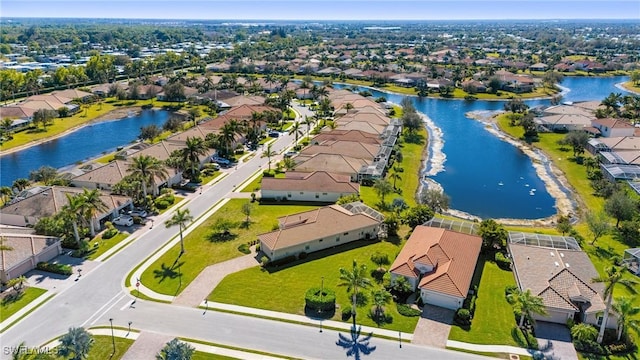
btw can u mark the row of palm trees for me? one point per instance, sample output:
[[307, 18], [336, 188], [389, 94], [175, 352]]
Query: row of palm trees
[[82, 209]]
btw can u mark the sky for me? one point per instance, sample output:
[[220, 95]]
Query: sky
[[324, 10]]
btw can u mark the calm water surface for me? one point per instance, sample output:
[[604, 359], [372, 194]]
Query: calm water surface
[[87, 142]]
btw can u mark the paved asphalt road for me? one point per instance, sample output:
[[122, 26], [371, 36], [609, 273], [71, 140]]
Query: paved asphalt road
[[99, 295]]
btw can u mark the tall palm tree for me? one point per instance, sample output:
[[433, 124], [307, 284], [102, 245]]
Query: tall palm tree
[[627, 312], [395, 175], [93, 205], [147, 169], [354, 280], [612, 277], [269, 153], [309, 122], [383, 188], [20, 184], [194, 148], [73, 210], [181, 218], [295, 130], [380, 298], [228, 133], [527, 304], [612, 103]]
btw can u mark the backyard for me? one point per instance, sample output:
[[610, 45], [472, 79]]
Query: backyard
[[263, 289], [170, 274]]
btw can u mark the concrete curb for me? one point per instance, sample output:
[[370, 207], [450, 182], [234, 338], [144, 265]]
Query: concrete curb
[[44, 297], [489, 348]]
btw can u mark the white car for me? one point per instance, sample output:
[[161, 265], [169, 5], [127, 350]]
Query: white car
[[138, 212], [123, 220]]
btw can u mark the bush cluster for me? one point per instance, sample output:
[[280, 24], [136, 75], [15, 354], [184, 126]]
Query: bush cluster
[[406, 310], [502, 261], [346, 313], [244, 248], [463, 317], [164, 201], [61, 269], [109, 233], [317, 299]]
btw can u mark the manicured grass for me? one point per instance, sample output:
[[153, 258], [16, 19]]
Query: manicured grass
[[254, 186], [629, 85], [106, 159], [170, 274], [103, 347], [104, 245], [176, 201], [493, 318], [9, 308], [256, 287]]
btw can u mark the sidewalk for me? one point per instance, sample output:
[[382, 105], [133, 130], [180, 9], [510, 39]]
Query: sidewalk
[[346, 326], [489, 348]]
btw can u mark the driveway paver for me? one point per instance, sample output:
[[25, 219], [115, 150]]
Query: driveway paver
[[554, 341], [433, 327], [146, 346]]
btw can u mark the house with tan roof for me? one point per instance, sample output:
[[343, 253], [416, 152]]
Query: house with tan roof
[[362, 126], [317, 186], [562, 277], [320, 229], [347, 148], [440, 263], [613, 127], [27, 250], [50, 200], [346, 135], [332, 163]]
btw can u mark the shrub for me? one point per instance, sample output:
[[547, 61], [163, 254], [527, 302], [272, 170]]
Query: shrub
[[137, 220], [346, 313], [61, 269], [258, 248], [264, 260], [244, 248], [268, 174], [379, 258], [510, 289], [406, 310], [161, 203], [463, 317], [502, 261], [109, 233], [284, 260], [302, 255], [317, 299]]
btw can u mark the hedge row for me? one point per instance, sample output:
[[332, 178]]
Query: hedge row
[[320, 299], [61, 269]]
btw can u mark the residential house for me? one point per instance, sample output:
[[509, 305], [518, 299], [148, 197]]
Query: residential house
[[320, 229], [613, 127], [346, 135], [440, 263], [50, 200], [317, 186], [561, 274], [332, 163], [27, 250], [352, 149]]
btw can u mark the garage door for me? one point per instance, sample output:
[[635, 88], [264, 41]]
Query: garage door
[[444, 301], [554, 317]]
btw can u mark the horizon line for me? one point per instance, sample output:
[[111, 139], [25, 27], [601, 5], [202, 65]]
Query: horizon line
[[3, 18]]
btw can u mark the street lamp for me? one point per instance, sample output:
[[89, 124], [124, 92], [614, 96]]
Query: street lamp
[[321, 293], [113, 339], [151, 224]]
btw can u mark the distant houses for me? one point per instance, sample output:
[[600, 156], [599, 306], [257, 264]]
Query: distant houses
[[27, 250]]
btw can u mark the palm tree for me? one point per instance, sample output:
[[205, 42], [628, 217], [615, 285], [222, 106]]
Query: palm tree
[[73, 210], [92, 206], [626, 311], [6, 193], [380, 297], [309, 122], [295, 129], [584, 332], [395, 175], [176, 350], [20, 184], [75, 343], [383, 188], [527, 304], [289, 163], [228, 133], [354, 280], [612, 103], [612, 277], [194, 148], [194, 113], [147, 168], [181, 217], [269, 153]]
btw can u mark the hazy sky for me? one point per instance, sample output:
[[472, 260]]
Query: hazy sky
[[325, 10]]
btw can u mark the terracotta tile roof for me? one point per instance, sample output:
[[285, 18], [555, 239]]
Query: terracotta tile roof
[[318, 181], [16, 111], [613, 123], [370, 117], [244, 100], [362, 126], [72, 93], [346, 148], [347, 135], [561, 270], [453, 256], [323, 222], [337, 164]]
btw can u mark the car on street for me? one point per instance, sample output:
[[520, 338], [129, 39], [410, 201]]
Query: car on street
[[138, 212], [123, 220], [274, 134]]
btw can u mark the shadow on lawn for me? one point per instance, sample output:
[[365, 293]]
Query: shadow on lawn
[[168, 271]]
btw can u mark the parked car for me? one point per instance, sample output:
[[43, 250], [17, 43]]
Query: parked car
[[274, 134], [220, 161], [138, 212], [123, 220], [290, 154]]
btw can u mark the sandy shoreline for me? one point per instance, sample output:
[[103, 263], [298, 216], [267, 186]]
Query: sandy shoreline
[[111, 115]]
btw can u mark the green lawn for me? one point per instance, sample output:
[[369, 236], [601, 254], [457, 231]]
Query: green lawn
[[8, 308], [170, 275], [102, 348], [199, 355], [104, 245], [493, 319], [629, 85], [255, 184], [263, 289], [176, 201]]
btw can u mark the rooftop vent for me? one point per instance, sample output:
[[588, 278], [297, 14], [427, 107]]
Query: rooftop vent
[[551, 253], [561, 254], [557, 264]]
